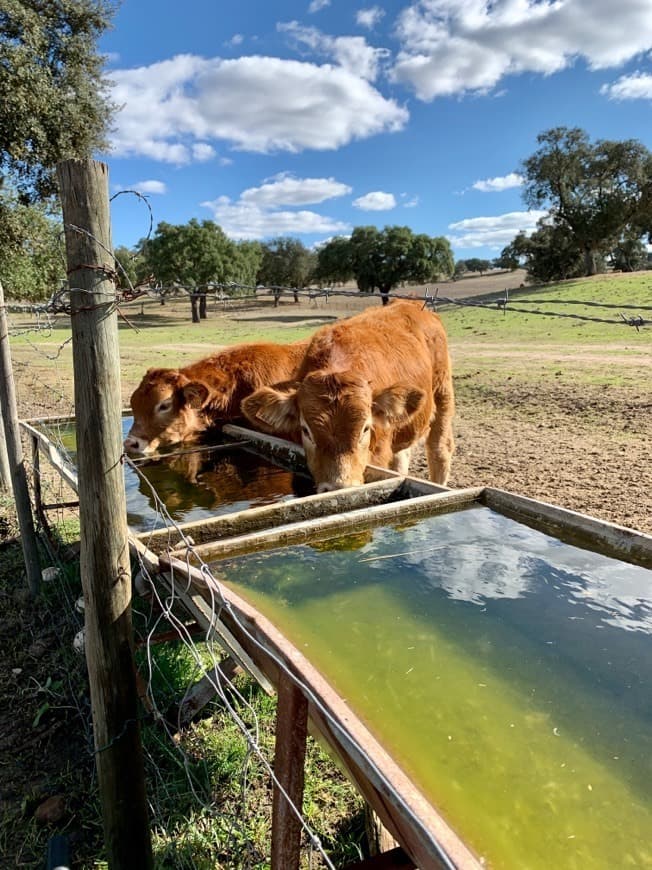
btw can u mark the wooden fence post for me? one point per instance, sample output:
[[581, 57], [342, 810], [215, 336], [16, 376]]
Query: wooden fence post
[[289, 757], [104, 555], [14, 452], [5, 471]]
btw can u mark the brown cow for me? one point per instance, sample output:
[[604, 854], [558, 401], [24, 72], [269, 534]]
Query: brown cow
[[368, 388], [172, 406]]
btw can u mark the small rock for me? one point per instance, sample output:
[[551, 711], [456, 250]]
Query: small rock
[[49, 574], [38, 649], [80, 604], [79, 642], [51, 810]]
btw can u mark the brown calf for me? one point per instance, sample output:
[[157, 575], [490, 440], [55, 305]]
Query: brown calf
[[368, 388], [172, 406]]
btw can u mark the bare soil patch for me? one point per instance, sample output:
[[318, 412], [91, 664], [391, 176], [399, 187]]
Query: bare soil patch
[[586, 449]]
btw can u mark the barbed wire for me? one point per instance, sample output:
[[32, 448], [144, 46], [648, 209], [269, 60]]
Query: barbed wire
[[217, 605]]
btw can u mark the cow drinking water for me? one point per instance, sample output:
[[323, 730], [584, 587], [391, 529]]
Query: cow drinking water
[[368, 388], [172, 406]]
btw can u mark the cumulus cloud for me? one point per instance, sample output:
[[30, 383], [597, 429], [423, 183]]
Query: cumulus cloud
[[634, 87], [493, 232], [316, 5], [248, 220], [259, 104], [500, 182], [450, 47], [377, 200], [150, 186], [286, 189], [370, 17], [352, 53], [257, 214], [202, 151]]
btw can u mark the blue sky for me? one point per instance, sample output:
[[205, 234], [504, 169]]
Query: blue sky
[[310, 117]]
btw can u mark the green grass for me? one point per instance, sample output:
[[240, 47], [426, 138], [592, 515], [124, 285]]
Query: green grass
[[516, 328]]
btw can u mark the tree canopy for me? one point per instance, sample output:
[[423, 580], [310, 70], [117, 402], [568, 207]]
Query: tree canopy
[[54, 97], [286, 262], [32, 261], [596, 192], [384, 259], [196, 254]]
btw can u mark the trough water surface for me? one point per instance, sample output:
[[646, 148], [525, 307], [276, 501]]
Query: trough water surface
[[194, 485], [508, 673]]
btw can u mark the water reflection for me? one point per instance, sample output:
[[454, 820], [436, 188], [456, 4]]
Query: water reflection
[[198, 485], [508, 672], [194, 485], [481, 555]]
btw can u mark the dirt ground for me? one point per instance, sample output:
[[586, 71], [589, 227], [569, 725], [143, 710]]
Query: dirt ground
[[584, 448]]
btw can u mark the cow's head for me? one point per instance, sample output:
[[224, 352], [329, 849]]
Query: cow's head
[[341, 422], [169, 408]]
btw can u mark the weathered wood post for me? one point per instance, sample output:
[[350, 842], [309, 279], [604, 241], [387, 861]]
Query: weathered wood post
[[289, 757], [5, 472], [104, 555], [14, 453]]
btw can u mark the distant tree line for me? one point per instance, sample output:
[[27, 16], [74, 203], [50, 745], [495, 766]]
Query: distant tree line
[[196, 255]]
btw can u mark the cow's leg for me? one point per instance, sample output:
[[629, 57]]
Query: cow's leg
[[401, 460], [440, 443]]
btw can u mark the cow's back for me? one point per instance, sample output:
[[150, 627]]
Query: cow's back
[[398, 342], [247, 367]]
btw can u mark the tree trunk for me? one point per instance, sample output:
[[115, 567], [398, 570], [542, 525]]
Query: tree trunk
[[202, 305], [193, 306], [589, 261]]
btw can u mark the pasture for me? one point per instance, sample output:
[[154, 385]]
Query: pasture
[[550, 407]]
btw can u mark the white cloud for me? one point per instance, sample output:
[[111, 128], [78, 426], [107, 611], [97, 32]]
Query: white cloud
[[352, 53], [493, 232], [202, 151], [500, 182], [375, 201], [248, 220], [151, 186], [411, 203], [467, 46], [286, 189], [259, 104], [635, 87], [236, 39], [316, 5], [370, 17]]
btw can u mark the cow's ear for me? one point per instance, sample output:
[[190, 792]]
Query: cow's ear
[[273, 410], [195, 393], [397, 404]]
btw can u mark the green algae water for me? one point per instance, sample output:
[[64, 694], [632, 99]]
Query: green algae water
[[194, 486], [508, 673]]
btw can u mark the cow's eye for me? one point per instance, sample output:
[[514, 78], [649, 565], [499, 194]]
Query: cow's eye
[[366, 430], [305, 431], [163, 407]]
